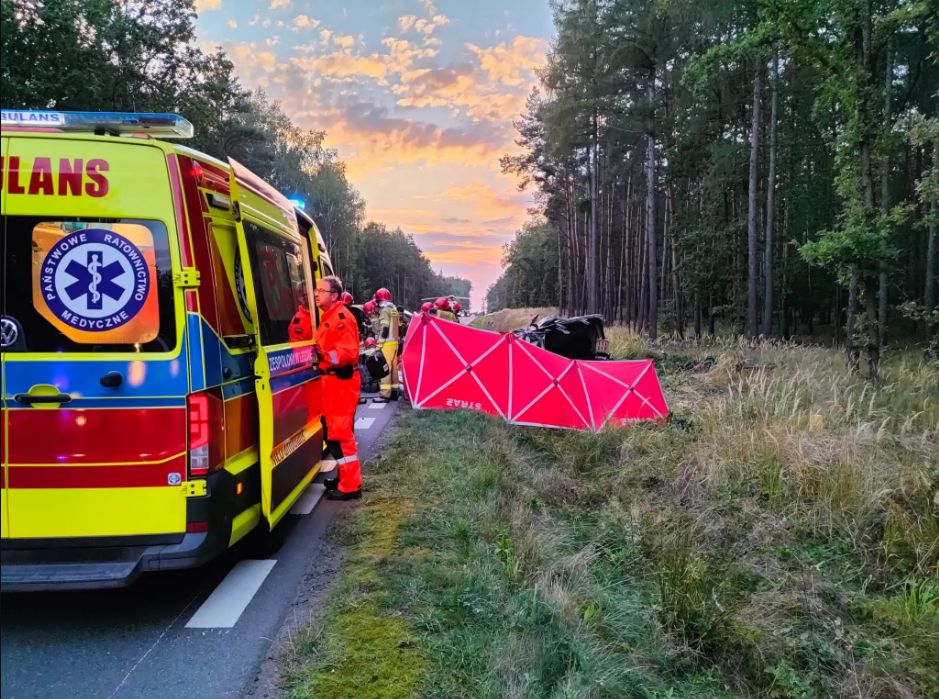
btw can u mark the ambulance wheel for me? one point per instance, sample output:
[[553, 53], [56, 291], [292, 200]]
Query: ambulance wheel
[[263, 543]]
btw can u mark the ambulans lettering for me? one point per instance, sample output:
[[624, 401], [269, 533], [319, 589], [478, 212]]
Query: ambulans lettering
[[61, 177], [95, 280], [11, 117]]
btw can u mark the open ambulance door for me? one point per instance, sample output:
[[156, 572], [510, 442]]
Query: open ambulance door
[[278, 290]]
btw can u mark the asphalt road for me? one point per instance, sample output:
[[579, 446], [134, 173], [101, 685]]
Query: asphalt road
[[135, 642]]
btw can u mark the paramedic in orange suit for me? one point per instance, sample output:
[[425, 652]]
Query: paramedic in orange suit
[[337, 343], [301, 325]]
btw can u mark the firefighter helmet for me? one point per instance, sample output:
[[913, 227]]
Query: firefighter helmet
[[382, 295], [442, 304], [456, 307], [426, 306], [370, 342], [369, 307], [346, 298]]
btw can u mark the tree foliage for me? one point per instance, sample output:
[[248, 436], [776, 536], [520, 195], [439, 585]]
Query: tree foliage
[[686, 87]]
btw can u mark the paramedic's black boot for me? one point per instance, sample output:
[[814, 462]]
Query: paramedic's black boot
[[339, 495], [381, 399], [331, 484], [363, 401]]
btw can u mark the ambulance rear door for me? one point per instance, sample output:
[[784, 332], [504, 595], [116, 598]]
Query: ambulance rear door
[[279, 291], [95, 385]]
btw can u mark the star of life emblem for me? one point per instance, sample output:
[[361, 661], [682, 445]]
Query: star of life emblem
[[95, 280]]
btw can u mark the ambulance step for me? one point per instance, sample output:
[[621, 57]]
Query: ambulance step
[[21, 571]]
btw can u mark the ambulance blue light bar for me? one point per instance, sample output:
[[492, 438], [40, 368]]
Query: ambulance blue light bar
[[119, 123], [297, 203]]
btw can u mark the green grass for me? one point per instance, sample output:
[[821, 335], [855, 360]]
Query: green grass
[[779, 537]]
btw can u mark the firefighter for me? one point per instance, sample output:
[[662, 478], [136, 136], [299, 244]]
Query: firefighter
[[388, 337], [337, 343], [442, 306], [370, 309]]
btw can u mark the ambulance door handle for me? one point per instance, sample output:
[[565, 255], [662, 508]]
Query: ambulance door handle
[[112, 379], [29, 398]]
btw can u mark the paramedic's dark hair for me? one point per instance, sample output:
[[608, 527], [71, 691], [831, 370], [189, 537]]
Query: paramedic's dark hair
[[334, 283]]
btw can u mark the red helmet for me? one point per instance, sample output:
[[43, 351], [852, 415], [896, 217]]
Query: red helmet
[[369, 307], [426, 307], [442, 303], [346, 298], [370, 342], [382, 295], [456, 307]]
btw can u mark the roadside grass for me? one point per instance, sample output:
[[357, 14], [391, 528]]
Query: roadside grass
[[779, 537]]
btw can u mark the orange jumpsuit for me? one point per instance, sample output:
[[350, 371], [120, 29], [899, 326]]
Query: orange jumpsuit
[[337, 338], [301, 325]]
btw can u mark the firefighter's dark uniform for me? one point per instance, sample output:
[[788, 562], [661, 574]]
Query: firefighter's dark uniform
[[338, 340]]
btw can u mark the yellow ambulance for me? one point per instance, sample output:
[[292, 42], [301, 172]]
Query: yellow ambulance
[[155, 407]]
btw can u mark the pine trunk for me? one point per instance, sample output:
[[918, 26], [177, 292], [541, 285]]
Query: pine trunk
[[768, 274], [652, 296], [752, 210], [929, 297]]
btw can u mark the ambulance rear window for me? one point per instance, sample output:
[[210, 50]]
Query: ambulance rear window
[[87, 285], [282, 292]]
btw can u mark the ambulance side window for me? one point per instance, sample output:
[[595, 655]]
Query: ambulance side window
[[281, 288], [89, 285]]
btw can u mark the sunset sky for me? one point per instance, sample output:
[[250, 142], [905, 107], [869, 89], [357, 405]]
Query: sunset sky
[[417, 96]]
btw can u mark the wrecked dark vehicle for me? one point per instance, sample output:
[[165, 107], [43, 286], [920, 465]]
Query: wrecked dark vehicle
[[581, 337]]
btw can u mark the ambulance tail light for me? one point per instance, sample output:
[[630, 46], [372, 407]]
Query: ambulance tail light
[[205, 433]]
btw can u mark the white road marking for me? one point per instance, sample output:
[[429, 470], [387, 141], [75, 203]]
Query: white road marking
[[377, 406], [363, 423], [225, 605], [306, 502]]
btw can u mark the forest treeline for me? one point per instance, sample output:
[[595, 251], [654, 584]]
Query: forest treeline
[[762, 166], [141, 56]]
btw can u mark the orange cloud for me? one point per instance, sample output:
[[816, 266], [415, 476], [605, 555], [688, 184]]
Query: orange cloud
[[490, 205], [344, 41], [494, 87], [207, 5], [512, 64], [439, 182], [245, 52], [304, 22], [343, 64], [465, 257]]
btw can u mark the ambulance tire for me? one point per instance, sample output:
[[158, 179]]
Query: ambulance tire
[[262, 543]]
